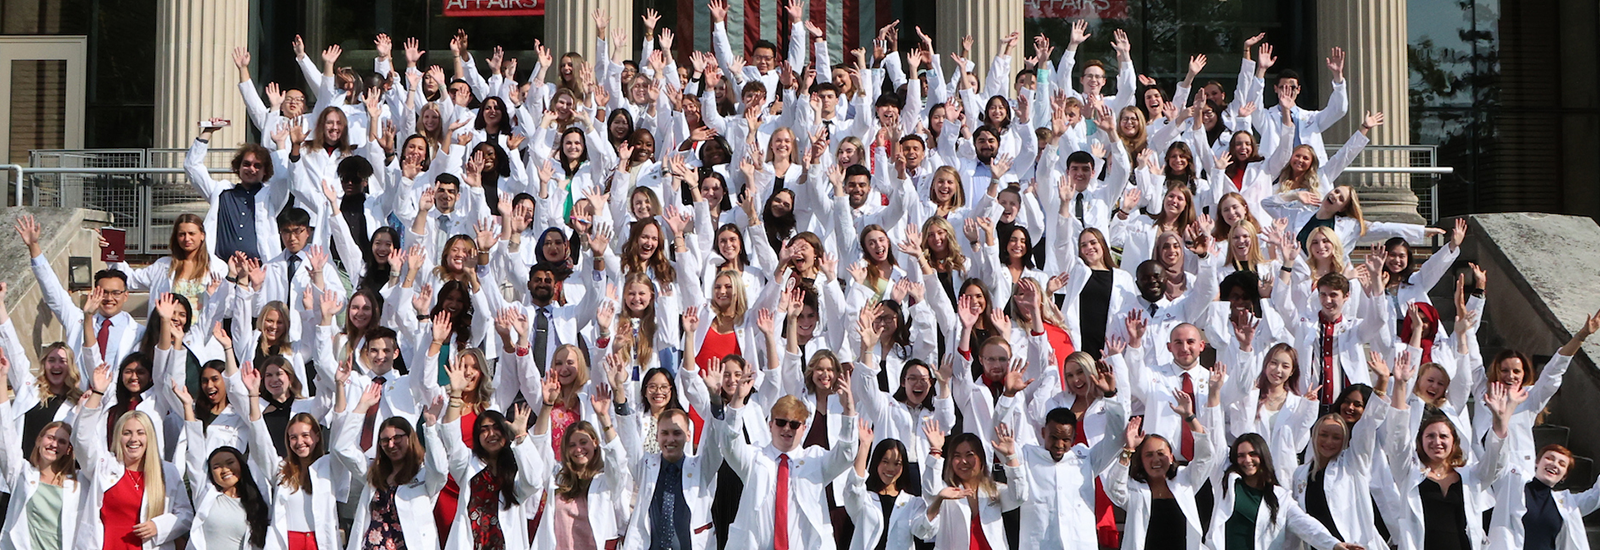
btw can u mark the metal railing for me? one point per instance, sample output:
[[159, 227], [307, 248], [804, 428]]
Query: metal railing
[[1421, 165], [142, 189]]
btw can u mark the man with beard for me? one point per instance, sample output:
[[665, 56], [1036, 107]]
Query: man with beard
[[551, 323]]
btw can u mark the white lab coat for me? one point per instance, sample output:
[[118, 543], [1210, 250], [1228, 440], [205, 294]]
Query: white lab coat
[[1134, 496], [21, 479], [1272, 530], [464, 464], [1058, 513], [1477, 477], [412, 499], [102, 471], [1347, 478]]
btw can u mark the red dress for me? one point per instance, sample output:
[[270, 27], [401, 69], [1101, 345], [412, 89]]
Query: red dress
[[119, 512], [444, 512], [1061, 344], [1105, 519], [716, 345]]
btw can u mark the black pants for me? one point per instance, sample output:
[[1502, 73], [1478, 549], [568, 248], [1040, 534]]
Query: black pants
[[725, 503]]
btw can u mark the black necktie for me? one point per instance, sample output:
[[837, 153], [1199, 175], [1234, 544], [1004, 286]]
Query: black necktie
[[1077, 209], [294, 266], [541, 337]]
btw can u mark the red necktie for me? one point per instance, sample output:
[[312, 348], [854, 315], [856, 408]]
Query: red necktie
[[104, 335], [1187, 446], [1326, 347], [780, 529], [372, 416]]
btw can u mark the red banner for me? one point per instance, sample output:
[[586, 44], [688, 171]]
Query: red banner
[[493, 8], [1076, 9]]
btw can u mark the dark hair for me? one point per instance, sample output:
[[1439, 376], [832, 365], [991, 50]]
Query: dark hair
[[1139, 99], [294, 216], [447, 178], [672, 392], [203, 402], [765, 44], [824, 87], [125, 395], [933, 382], [914, 137], [152, 335], [256, 512], [538, 252], [779, 228], [1265, 470], [1287, 74], [355, 168], [1247, 281], [578, 162], [1344, 397], [1400, 277], [1136, 464], [403, 470], [504, 465], [110, 273], [876, 483], [505, 116], [983, 116], [1336, 281], [744, 251], [262, 155], [856, 170], [1063, 416], [626, 117], [1005, 251], [461, 322]]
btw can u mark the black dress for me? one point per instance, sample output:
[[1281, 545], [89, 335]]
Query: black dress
[[1444, 516], [1169, 529], [1094, 305]]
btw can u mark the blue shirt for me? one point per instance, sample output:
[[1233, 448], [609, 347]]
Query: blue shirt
[[236, 222]]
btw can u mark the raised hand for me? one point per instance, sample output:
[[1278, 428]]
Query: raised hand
[[1004, 442], [1014, 381]]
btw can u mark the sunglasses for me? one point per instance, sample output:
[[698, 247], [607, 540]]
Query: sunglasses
[[791, 424]]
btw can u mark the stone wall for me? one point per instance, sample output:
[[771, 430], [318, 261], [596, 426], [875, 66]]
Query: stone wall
[[67, 232]]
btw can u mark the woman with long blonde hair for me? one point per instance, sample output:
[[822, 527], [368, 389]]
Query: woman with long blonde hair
[[135, 500], [43, 398]]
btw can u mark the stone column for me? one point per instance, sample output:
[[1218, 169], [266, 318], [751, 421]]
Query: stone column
[[1373, 35], [195, 76], [569, 27], [987, 21]]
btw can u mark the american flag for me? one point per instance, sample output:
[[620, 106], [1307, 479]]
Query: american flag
[[850, 23]]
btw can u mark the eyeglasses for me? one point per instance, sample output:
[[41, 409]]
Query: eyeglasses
[[791, 424], [394, 438], [657, 388], [298, 230], [917, 379], [115, 293]]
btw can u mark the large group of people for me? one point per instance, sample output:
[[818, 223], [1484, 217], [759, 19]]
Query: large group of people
[[773, 300]]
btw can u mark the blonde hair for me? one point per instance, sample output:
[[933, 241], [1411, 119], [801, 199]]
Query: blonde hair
[[1254, 255], [71, 372], [953, 259], [1353, 209], [574, 478], [1337, 258], [794, 147], [958, 198], [1135, 143], [1311, 180], [740, 303], [155, 490], [485, 392], [578, 380]]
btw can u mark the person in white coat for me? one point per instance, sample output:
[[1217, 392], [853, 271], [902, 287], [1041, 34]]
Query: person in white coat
[[497, 473], [1530, 514], [1254, 512], [783, 505], [879, 498], [44, 487], [132, 500], [586, 489], [230, 512], [1334, 486], [397, 488], [1444, 491], [689, 481], [965, 502], [1059, 511], [1157, 492], [50, 395], [305, 505]]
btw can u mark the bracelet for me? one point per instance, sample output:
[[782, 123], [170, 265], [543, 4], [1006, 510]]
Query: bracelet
[[1188, 418], [97, 392], [548, 404], [227, 348], [422, 317], [1112, 393], [1287, 269]]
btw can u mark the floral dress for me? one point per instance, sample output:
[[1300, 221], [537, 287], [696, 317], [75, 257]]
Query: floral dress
[[384, 532], [483, 510]]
